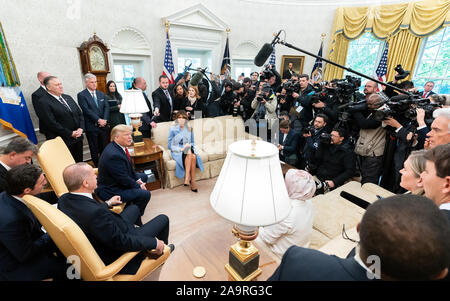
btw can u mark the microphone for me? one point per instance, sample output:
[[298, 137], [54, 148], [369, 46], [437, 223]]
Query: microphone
[[355, 200], [196, 78], [352, 104], [265, 51]]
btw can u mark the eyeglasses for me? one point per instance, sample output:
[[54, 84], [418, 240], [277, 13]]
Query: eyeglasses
[[345, 236]]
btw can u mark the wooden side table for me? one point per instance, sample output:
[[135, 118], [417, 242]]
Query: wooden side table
[[208, 247], [148, 153]]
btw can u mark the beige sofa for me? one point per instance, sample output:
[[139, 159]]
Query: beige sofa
[[212, 136]]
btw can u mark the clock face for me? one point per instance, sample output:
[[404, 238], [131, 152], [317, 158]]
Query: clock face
[[97, 59]]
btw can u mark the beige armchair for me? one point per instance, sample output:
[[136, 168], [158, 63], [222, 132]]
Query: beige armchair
[[54, 157], [71, 240]]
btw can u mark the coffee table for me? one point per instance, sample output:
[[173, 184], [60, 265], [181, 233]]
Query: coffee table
[[148, 153]]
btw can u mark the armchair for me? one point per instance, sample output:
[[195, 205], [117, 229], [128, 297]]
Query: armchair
[[53, 157], [71, 240]]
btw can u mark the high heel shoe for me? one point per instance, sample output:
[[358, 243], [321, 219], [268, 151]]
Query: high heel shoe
[[194, 190]]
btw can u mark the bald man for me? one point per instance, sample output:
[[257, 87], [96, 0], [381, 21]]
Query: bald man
[[110, 234], [148, 122], [41, 91]]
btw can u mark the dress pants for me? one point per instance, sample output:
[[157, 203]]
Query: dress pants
[[76, 149], [97, 142], [371, 168]]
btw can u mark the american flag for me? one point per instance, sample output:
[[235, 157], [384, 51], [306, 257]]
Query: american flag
[[169, 69], [272, 58], [382, 67]]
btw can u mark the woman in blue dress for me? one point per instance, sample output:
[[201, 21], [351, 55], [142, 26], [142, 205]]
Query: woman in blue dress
[[181, 144]]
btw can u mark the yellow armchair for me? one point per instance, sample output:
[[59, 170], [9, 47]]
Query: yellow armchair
[[71, 240], [53, 157]]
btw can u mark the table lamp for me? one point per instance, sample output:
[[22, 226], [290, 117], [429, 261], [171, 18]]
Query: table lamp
[[133, 104], [250, 192]]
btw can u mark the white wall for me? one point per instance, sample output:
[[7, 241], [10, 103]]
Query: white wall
[[44, 35]]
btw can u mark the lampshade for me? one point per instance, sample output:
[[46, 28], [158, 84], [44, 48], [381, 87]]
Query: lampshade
[[133, 102], [250, 190]]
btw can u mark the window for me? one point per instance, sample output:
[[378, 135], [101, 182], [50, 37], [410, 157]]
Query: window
[[364, 54], [198, 58], [124, 75], [239, 66], [434, 62]]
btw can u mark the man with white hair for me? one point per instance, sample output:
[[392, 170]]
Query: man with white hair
[[440, 129], [96, 113]]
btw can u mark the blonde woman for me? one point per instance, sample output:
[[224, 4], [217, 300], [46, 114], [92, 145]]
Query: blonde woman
[[181, 144], [194, 102], [412, 168]]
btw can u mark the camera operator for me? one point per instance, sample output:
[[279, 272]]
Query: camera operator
[[312, 136], [288, 143], [265, 106], [272, 77], [302, 105], [335, 159], [400, 74], [227, 98], [326, 103], [237, 107], [294, 123], [372, 138]]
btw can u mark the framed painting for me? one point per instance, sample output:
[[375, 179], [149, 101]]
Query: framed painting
[[291, 63]]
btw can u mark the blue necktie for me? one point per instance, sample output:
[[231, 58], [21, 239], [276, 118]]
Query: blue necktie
[[95, 99]]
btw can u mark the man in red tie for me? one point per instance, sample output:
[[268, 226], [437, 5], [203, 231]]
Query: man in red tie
[[427, 89], [116, 175]]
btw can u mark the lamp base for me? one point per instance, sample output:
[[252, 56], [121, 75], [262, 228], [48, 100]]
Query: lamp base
[[138, 139], [243, 261], [234, 276]]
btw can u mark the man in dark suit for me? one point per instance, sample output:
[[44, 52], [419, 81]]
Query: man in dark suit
[[288, 143], [26, 252], [289, 72], [111, 234], [96, 113], [394, 233], [18, 151], [427, 90], [436, 177], [62, 117], [148, 120], [162, 100], [41, 91], [116, 175]]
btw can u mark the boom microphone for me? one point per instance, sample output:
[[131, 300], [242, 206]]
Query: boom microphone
[[265, 51], [355, 200], [196, 78]]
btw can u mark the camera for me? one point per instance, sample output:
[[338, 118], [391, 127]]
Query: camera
[[266, 73], [402, 74], [291, 87], [308, 130], [322, 185], [325, 138], [265, 89]]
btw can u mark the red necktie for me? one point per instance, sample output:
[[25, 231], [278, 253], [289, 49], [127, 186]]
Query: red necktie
[[128, 154], [424, 94]]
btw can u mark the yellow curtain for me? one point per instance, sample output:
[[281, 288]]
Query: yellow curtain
[[403, 24], [405, 49]]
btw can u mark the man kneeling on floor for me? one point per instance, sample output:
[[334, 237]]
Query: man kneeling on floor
[[110, 234]]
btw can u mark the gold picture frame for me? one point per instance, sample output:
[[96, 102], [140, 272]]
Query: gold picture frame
[[297, 62]]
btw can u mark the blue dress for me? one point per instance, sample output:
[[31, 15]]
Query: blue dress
[[177, 138]]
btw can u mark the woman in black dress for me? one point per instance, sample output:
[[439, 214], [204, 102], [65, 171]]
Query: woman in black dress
[[194, 102], [180, 101], [115, 100]]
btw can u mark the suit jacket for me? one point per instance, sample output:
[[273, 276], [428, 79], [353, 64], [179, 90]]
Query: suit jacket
[[115, 171], [301, 264], [429, 93], [287, 74], [447, 213], [23, 245], [61, 121], [161, 101], [35, 97], [3, 172], [108, 232], [91, 112], [290, 143], [148, 117]]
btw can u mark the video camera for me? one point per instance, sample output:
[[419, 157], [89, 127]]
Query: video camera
[[402, 74], [266, 73], [291, 86], [405, 106]]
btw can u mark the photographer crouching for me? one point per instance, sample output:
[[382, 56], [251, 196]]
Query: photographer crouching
[[312, 136], [334, 160]]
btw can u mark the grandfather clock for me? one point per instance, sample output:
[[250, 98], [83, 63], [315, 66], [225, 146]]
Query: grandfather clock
[[94, 59]]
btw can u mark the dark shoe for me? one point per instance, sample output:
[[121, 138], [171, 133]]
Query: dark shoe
[[186, 184], [194, 190], [172, 247]]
